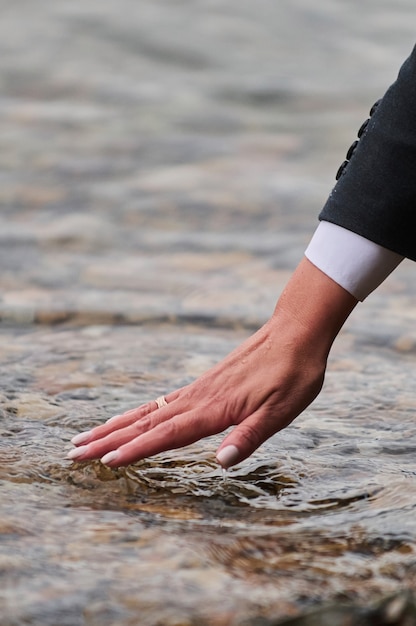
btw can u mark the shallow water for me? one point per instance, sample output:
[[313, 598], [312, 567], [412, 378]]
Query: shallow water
[[157, 190]]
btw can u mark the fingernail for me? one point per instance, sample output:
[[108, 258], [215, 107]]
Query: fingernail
[[76, 452], [110, 457], [228, 456], [110, 419], [81, 438]]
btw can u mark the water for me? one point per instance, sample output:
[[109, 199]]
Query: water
[[162, 167]]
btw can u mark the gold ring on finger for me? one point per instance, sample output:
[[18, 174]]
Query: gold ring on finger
[[161, 401]]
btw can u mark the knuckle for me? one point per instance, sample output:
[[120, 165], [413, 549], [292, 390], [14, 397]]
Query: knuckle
[[170, 430], [144, 409], [250, 435], [143, 425]]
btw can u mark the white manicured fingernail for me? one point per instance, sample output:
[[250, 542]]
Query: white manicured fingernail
[[110, 419], [76, 452], [81, 438], [228, 456], [110, 457]]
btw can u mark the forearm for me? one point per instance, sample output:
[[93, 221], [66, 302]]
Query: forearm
[[313, 308]]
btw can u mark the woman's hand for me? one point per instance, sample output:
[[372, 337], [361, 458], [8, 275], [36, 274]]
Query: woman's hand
[[259, 388]]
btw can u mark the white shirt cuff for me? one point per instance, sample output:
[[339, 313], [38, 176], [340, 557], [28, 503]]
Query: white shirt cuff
[[357, 264]]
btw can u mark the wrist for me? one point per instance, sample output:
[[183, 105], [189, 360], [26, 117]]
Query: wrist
[[312, 310]]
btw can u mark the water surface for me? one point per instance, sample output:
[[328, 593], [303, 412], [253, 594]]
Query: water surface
[[163, 164]]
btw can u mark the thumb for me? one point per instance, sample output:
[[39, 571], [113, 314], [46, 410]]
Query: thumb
[[245, 438]]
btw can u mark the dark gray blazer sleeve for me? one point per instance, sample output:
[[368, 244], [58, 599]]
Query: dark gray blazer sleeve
[[375, 195]]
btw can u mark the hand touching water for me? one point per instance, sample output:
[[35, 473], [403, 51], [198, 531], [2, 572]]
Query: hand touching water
[[259, 388]]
